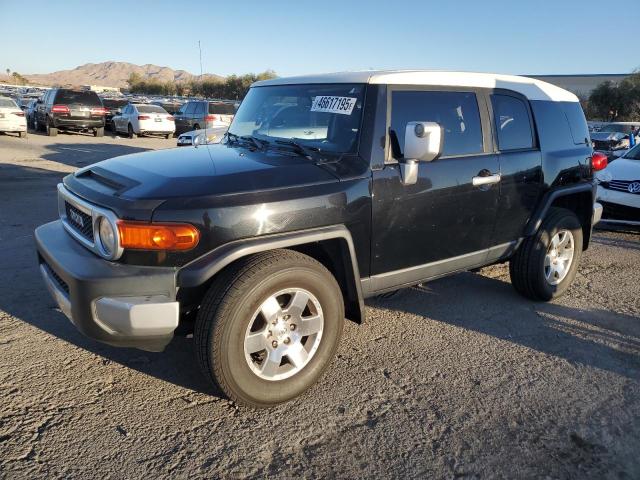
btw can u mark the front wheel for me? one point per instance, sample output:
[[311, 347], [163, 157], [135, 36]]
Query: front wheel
[[269, 326], [545, 264]]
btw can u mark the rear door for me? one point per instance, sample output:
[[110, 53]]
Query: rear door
[[444, 221], [520, 163], [197, 117]]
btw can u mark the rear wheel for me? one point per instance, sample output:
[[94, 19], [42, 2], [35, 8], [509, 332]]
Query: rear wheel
[[22, 134], [168, 136], [269, 326], [98, 132], [545, 264], [131, 132]]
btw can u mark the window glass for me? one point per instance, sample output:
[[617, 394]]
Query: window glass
[[456, 112], [83, 97], [199, 109], [577, 122], [150, 109], [191, 106], [222, 108], [324, 116], [7, 103], [512, 122]]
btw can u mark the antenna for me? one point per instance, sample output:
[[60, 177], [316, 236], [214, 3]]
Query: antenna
[[206, 139]]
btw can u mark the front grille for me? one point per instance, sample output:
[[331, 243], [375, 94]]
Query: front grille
[[61, 283], [80, 221], [620, 185], [613, 211]]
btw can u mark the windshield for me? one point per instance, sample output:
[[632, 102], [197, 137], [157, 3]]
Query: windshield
[[633, 154], [150, 109], [7, 102], [617, 128], [325, 116]]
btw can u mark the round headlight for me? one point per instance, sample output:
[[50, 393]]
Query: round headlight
[[107, 236]]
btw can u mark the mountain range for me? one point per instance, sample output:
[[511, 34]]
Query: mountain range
[[112, 74]]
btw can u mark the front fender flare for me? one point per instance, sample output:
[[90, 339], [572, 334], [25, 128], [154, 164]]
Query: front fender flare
[[200, 270]]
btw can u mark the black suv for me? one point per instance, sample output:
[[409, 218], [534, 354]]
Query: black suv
[[325, 191], [68, 109]]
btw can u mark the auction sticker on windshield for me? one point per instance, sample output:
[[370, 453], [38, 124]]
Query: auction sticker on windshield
[[341, 105]]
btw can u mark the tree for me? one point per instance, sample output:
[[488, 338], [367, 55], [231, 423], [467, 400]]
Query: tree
[[609, 101]]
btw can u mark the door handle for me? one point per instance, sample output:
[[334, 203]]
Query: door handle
[[488, 180]]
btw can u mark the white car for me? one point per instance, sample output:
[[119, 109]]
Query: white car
[[12, 119], [619, 189], [144, 119], [201, 137]]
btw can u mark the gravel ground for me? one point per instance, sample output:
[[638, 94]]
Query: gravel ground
[[459, 378]]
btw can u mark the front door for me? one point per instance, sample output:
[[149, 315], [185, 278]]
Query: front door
[[444, 222]]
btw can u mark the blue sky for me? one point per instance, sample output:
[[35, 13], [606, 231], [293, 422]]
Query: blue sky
[[299, 36]]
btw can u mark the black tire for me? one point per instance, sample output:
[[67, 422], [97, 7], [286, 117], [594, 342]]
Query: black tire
[[22, 134], [527, 266], [168, 136], [196, 127], [98, 132], [51, 131], [130, 131], [227, 311], [36, 126]]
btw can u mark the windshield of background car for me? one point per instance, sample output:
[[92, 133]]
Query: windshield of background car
[[109, 103], [325, 116], [633, 154], [7, 103]]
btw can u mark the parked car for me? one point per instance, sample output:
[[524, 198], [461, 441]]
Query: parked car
[[356, 184], [112, 106], [613, 138], [197, 114], [12, 118], [201, 137], [619, 189], [70, 110], [30, 112], [144, 119]]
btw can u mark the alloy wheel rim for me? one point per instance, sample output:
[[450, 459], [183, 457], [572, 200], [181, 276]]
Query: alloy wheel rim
[[284, 334], [559, 257]]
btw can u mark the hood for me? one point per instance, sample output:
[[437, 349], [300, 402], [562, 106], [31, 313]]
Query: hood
[[607, 136], [207, 170], [621, 169]]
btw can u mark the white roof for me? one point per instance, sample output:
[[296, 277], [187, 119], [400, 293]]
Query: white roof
[[529, 87]]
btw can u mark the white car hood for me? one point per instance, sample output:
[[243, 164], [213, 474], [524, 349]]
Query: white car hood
[[621, 169]]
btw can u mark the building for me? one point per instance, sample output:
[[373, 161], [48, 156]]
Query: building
[[581, 85], [100, 89]]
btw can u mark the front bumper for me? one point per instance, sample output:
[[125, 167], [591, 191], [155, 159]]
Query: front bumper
[[122, 305], [619, 207]]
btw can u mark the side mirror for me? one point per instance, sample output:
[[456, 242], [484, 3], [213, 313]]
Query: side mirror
[[423, 142]]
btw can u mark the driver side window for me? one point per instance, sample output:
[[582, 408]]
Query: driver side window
[[456, 112]]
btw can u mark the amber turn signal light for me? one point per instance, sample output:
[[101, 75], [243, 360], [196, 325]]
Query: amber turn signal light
[[157, 236]]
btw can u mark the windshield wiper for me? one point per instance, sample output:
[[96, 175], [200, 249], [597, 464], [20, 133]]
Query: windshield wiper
[[312, 153], [256, 142]]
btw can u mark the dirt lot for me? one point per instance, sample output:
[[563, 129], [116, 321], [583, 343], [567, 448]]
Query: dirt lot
[[461, 378]]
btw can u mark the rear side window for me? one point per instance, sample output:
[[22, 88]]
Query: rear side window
[[82, 97], [191, 106], [222, 108], [577, 122], [512, 123], [456, 112], [199, 109]]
